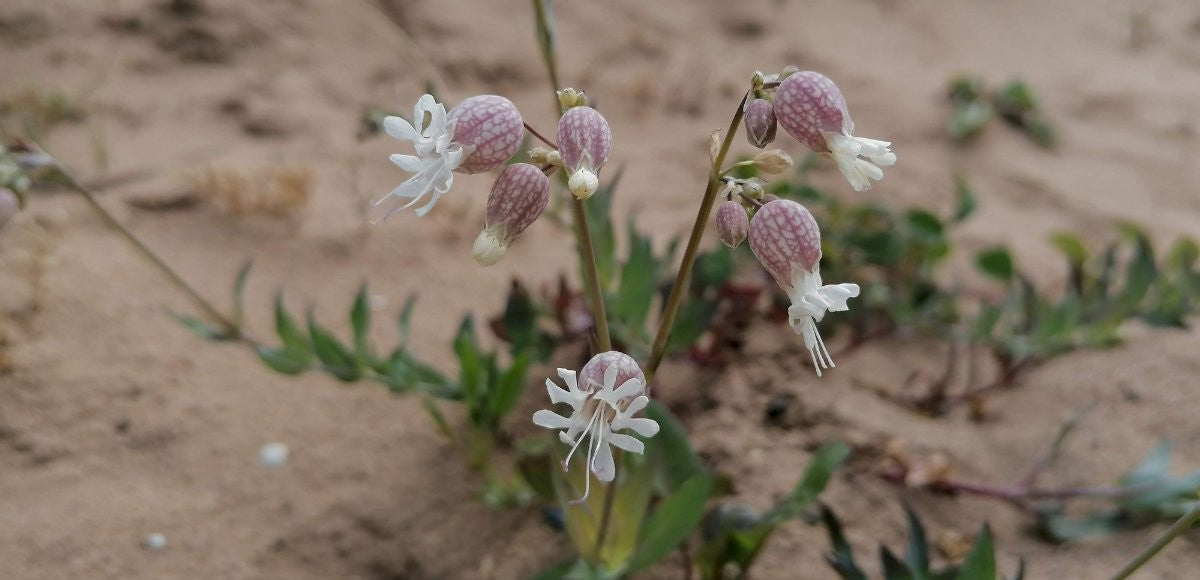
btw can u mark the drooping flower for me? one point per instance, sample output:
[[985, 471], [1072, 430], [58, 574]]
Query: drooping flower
[[604, 397], [732, 223], [812, 109], [518, 197], [759, 118], [478, 135], [584, 140], [786, 241]]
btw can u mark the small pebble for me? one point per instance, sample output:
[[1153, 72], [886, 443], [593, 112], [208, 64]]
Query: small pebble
[[156, 542], [273, 455]]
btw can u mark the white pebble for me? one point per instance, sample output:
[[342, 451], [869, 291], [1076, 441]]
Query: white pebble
[[156, 541], [273, 455]]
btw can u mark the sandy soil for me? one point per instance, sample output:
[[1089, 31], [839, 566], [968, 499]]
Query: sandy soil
[[115, 423]]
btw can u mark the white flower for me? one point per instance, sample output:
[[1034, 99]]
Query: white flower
[[810, 302], [598, 411], [437, 156], [845, 149]]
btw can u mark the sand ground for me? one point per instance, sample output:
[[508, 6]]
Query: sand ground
[[115, 423]]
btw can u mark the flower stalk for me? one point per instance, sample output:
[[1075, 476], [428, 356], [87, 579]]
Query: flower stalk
[[1184, 524], [214, 314], [683, 277]]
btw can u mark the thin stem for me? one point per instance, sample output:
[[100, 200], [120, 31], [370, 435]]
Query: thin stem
[[609, 500], [210, 311], [540, 137], [682, 278], [587, 255], [1187, 521]]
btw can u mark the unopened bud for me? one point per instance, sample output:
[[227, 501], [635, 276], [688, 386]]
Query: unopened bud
[[753, 188], [714, 145], [760, 122], [490, 130], [584, 141], [569, 98], [9, 206], [773, 162], [518, 197], [544, 156], [732, 223]]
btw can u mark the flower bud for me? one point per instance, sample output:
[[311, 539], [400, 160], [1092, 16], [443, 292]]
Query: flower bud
[[811, 109], [544, 156], [760, 122], [773, 162], [732, 223], [568, 98], [9, 205], [490, 130], [584, 141], [593, 371], [518, 197]]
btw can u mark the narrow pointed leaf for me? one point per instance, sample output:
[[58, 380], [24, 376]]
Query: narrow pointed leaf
[[980, 563], [917, 553], [239, 291], [672, 522]]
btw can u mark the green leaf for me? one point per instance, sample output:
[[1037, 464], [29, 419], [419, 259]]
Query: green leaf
[[1059, 527], [917, 553], [472, 374], [291, 335], [201, 328], [439, 419], [239, 291], [842, 557], [1152, 468], [672, 522], [1076, 252], [996, 262], [639, 283], [924, 223], [1141, 272], [893, 568], [964, 200], [512, 384], [712, 270], [404, 321], [335, 358], [283, 360], [980, 563], [968, 119], [691, 323], [360, 322], [677, 460], [820, 469]]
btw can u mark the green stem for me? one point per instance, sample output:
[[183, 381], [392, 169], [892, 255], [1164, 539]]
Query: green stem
[[210, 311], [683, 277], [587, 255], [1187, 521], [609, 499]]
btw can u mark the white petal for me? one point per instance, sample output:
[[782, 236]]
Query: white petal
[[409, 163], [425, 104], [560, 395], [562, 436], [629, 388], [550, 420], [838, 294], [399, 128], [636, 405], [627, 442], [603, 465], [610, 377], [569, 377], [640, 425]]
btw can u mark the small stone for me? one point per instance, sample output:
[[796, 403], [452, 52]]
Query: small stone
[[155, 541], [273, 455]]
